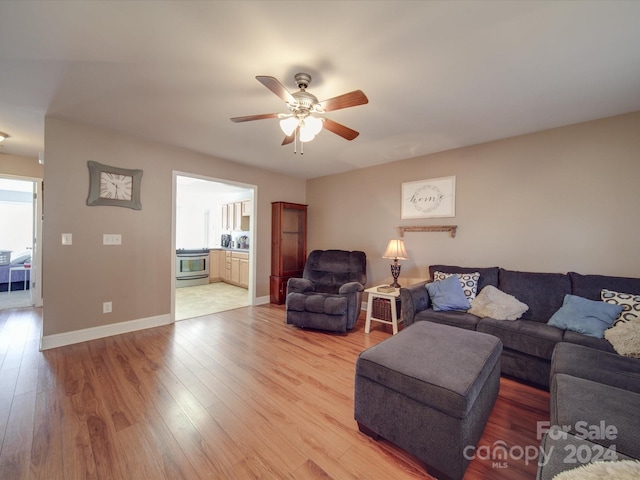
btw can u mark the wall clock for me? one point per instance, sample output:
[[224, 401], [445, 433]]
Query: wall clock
[[113, 186]]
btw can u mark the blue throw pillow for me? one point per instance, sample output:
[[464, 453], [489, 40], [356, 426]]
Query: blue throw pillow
[[585, 316], [447, 295]]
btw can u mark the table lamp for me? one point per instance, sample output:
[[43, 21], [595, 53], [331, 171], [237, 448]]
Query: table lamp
[[395, 250]]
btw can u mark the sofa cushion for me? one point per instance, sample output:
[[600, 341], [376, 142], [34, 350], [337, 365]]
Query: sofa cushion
[[578, 403], [453, 318], [597, 366], [447, 295], [488, 276], [542, 292], [590, 286], [630, 304], [585, 316], [570, 336], [496, 304], [625, 338], [468, 282], [533, 338]]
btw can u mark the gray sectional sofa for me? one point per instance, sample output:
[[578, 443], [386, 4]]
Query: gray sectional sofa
[[589, 382], [528, 342]]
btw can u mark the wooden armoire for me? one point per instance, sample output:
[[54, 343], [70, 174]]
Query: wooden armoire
[[288, 246]]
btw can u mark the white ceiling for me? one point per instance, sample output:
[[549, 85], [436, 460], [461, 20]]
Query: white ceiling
[[438, 75]]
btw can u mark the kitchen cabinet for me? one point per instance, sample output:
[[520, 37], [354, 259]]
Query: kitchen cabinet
[[237, 269], [225, 217], [236, 216], [244, 272], [214, 265], [288, 246], [226, 276]]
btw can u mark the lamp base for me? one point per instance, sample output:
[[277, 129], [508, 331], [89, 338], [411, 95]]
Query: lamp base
[[395, 273]]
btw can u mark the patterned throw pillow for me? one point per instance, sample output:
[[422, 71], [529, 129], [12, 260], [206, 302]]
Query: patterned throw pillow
[[630, 304], [468, 281]]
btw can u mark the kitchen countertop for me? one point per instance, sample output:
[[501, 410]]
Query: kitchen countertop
[[226, 249]]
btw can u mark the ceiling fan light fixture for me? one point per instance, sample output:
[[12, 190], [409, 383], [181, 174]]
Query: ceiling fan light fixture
[[3, 136], [314, 124], [306, 134], [288, 125]]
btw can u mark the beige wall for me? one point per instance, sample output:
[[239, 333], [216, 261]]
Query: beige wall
[[135, 276], [560, 200], [19, 166]]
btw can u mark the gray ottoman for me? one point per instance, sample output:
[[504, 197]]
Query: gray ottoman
[[429, 390]]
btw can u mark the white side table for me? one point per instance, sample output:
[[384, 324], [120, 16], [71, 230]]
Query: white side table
[[17, 269], [392, 297]]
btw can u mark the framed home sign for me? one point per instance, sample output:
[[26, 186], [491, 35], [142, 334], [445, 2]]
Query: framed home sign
[[431, 198]]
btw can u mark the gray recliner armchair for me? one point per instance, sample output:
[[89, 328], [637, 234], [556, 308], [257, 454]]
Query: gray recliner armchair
[[328, 295]]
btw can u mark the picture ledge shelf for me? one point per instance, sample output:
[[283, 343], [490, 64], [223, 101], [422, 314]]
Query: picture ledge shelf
[[431, 228]]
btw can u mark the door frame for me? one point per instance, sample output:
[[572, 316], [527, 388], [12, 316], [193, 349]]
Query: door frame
[[35, 276], [253, 190]]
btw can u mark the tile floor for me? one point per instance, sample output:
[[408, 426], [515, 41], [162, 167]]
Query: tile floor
[[206, 299]]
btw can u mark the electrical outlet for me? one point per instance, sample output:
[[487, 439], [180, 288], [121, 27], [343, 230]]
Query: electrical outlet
[[67, 239], [112, 239], [106, 307]]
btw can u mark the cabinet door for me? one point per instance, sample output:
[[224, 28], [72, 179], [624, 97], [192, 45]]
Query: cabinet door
[[237, 216], [244, 273], [214, 265], [225, 217], [230, 216], [246, 208], [235, 270]]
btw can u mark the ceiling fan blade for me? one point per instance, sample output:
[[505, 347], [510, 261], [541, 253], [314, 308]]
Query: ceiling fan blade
[[351, 99], [276, 87], [288, 140], [249, 118], [291, 138], [339, 129]]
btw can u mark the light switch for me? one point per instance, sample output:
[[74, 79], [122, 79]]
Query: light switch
[[112, 239], [67, 239]]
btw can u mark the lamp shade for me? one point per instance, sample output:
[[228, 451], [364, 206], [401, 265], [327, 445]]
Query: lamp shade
[[396, 250]]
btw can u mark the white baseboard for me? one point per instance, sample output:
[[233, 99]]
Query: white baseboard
[[263, 300], [86, 334]]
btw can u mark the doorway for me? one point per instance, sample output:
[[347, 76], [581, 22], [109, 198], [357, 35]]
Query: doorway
[[20, 229], [201, 225]]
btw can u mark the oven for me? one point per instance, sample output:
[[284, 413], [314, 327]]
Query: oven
[[192, 267]]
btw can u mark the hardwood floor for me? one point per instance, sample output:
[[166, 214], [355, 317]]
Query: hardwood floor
[[234, 395]]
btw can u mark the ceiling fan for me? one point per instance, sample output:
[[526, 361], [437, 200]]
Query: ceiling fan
[[302, 123]]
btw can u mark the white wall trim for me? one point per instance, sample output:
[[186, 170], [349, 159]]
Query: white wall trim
[[263, 300], [86, 334]]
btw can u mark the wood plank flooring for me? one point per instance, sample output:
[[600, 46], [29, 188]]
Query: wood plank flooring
[[234, 395]]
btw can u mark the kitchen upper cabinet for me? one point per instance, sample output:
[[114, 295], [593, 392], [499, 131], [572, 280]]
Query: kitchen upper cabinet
[[234, 216], [237, 216]]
